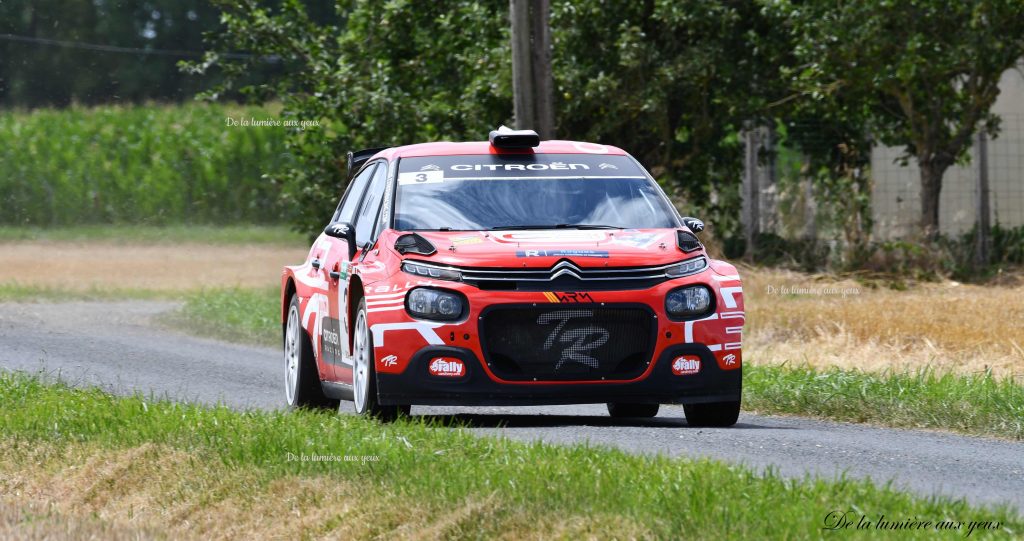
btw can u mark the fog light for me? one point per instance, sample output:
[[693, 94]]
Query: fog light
[[688, 302]]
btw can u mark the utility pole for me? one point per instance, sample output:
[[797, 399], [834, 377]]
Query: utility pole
[[982, 225], [751, 192], [532, 86]]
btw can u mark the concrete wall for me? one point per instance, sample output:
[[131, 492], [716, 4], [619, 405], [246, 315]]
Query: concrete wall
[[896, 193]]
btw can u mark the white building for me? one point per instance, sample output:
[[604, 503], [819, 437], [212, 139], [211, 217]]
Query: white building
[[896, 193]]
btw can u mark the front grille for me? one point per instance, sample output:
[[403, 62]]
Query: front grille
[[560, 343], [566, 276]]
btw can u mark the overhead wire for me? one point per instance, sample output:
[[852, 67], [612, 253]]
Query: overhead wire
[[118, 49]]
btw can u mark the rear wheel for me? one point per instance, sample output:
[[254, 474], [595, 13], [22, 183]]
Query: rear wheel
[[301, 379], [713, 413], [619, 409], [364, 374]]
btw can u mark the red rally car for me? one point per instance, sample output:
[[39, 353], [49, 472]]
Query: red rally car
[[511, 272]]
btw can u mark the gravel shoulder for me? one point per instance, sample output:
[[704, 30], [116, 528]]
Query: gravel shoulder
[[118, 347]]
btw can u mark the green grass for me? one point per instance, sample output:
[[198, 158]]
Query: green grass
[[153, 164], [14, 292], [250, 316], [980, 404], [973, 404], [170, 234], [433, 470]]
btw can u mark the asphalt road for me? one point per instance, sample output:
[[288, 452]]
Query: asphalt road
[[118, 347]]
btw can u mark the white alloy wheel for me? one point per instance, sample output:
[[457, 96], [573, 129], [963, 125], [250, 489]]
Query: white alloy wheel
[[291, 355], [363, 356]]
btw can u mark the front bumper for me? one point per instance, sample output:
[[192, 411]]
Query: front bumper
[[416, 386]]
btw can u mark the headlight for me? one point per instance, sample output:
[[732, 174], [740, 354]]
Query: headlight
[[430, 271], [688, 302], [686, 268], [435, 304]]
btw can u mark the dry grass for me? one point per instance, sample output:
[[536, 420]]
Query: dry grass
[[77, 266], [830, 321], [156, 492]]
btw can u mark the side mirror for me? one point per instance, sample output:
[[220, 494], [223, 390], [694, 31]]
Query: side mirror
[[344, 231], [694, 224]]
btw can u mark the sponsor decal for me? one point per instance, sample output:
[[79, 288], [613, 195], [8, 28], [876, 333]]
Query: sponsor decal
[[686, 365], [330, 341], [562, 253], [446, 367], [591, 162], [578, 340], [553, 166], [729, 359], [467, 239], [641, 240], [568, 296], [330, 336], [570, 236], [390, 360], [379, 291]]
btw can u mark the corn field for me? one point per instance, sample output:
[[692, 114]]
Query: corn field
[[150, 164]]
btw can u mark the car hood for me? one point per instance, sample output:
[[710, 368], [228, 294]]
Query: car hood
[[544, 248]]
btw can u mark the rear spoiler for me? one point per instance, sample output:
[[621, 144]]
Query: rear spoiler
[[357, 158]]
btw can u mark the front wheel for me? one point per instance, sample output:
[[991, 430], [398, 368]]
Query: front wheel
[[301, 380], [364, 374], [712, 414]]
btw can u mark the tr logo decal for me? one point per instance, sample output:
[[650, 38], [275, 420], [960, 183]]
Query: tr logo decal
[[579, 340]]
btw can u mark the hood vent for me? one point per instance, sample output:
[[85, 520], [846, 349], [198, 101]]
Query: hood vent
[[413, 243], [687, 241]]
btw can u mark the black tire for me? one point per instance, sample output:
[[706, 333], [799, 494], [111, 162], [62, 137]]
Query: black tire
[[714, 414], [306, 391], [621, 410], [367, 404]]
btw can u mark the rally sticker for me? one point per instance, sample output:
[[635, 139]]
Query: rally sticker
[[421, 177], [446, 367], [686, 365]]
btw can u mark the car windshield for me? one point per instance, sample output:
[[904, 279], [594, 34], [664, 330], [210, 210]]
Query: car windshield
[[528, 191]]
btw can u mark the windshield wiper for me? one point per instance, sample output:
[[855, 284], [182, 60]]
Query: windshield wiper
[[592, 226], [553, 226]]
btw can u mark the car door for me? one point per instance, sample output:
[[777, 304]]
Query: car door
[[365, 222], [334, 265]]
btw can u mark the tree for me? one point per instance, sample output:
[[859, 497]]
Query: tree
[[671, 82], [392, 74], [928, 71]]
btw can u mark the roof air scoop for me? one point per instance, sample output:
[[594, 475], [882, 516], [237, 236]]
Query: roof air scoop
[[503, 137]]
